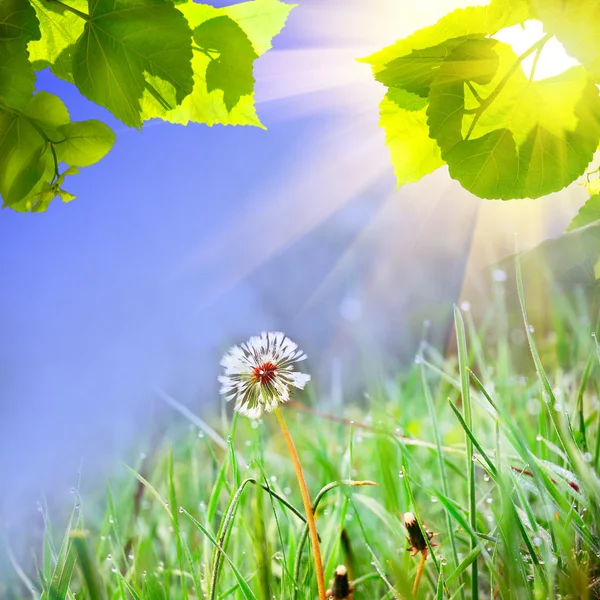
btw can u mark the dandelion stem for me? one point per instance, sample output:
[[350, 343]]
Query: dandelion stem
[[310, 519], [419, 573]]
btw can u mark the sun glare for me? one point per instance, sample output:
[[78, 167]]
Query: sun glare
[[552, 59]]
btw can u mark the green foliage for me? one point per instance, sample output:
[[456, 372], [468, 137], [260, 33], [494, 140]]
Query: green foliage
[[458, 96], [140, 59]]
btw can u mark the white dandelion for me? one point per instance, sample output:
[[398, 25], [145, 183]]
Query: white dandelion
[[258, 374]]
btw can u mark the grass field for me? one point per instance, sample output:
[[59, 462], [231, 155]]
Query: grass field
[[495, 448]]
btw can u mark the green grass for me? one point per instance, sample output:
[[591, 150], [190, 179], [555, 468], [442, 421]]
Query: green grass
[[495, 448]]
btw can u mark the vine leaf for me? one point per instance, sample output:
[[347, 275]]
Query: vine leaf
[[407, 68], [576, 24], [85, 142], [414, 72], [404, 119], [588, 213], [18, 26], [504, 136], [33, 143], [231, 72], [260, 21], [122, 44], [18, 22], [17, 79], [60, 30]]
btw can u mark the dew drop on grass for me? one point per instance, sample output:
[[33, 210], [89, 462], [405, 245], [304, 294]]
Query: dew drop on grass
[[434, 499], [38, 506], [103, 537], [287, 491], [130, 556], [111, 520], [587, 457], [486, 477], [536, 541], [109, 557], [200, 434], [465, 306], [401, 474], [77, 506], [538, 438], [72, 490], [143, 573], [181, 509], [255, 424], [489, 499], [248, 443], [273, 478], [444, 561], [114, 569], [229, 439]]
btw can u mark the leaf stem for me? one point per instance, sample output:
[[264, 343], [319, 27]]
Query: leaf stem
[[80, 14], [502, 83], [203, 51], [310, 518]]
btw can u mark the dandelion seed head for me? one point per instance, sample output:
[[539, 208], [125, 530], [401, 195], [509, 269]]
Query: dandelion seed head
[[259, 373]]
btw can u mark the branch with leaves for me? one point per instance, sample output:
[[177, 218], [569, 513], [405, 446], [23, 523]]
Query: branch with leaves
[[458, 96], [140, 59]]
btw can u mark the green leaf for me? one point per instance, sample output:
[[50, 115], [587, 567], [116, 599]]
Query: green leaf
[[18, 25], [60, 29], [18, 21], [48, 111], [576, 24], [504, 136], [404, 119], [86, 142], [25, 158], [408, 66], [260, 20], [414, 72], [231, 71], [123, 45], [588, 213], [17, 79], [34, 141]]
